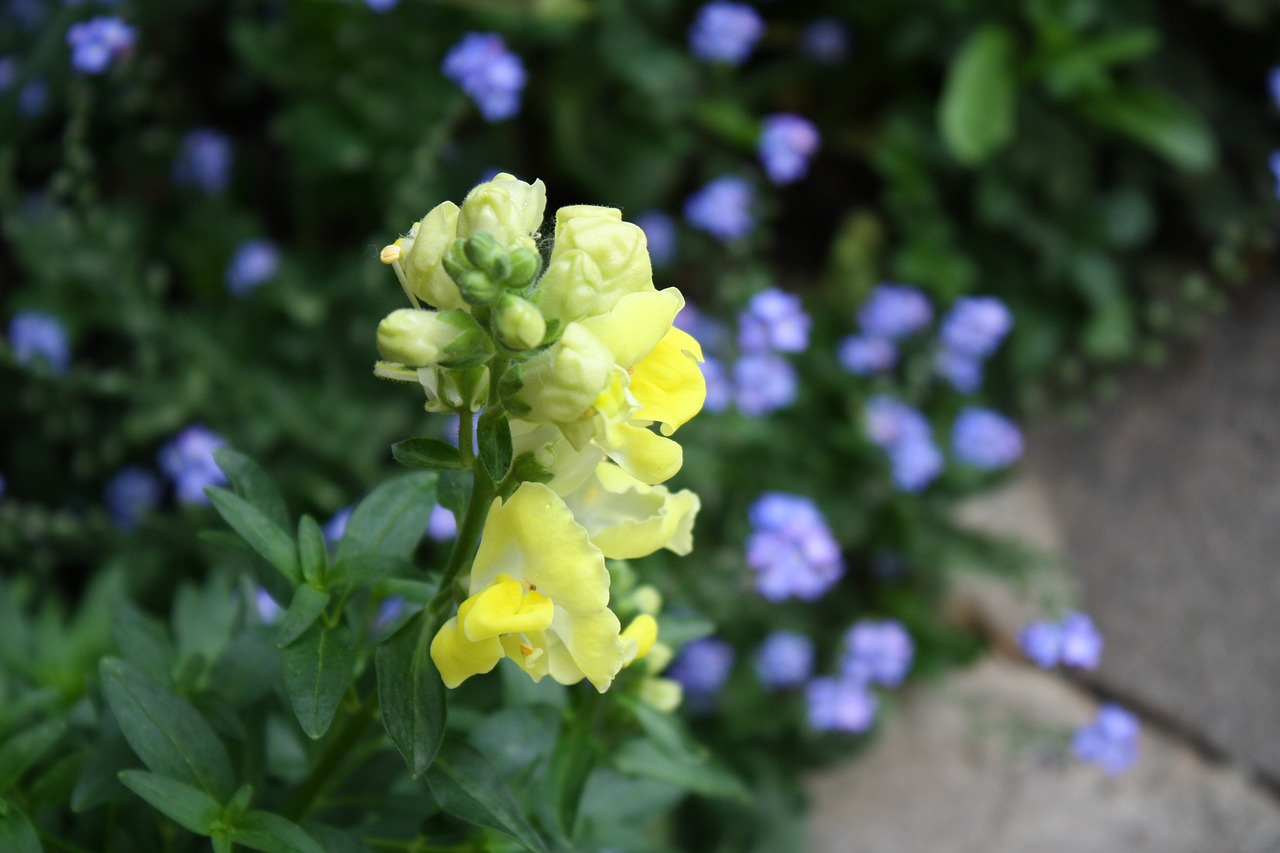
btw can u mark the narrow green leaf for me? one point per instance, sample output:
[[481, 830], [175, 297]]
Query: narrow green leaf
[[166, 732], [411, 694], [263, 534], [17, 835], [250, 666], [467, 787], [1157, 120], [571, 765], [367, 569], [189, 807], [392, 519], [25, 748], [699, 774], [665, 730], [307, 605], [144, 642], [494, 440], [427, 453], [317, 669], [273, 834], [253, 484], [99, 780], [313, 554], [976, 113]]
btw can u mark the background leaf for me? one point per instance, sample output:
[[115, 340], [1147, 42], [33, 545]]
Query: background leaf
[[467, 786], [392, 520], [976, 113], [427, 453], [411, 694], [187, 806], [264, 535], [317, 670]]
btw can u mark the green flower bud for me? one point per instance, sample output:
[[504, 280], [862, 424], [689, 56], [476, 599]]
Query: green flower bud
[[482, 250], [619, 255], [420, 338], [423, 264], [518, 323], [526, 263], [562, 383], [505, 208], [477, 288], [450, 389]]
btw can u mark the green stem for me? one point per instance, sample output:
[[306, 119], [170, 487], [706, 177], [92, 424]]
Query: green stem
[[322, 773], [464, 547]]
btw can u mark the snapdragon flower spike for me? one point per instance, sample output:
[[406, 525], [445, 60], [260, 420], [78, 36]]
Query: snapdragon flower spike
[[492, 76], [1109, 741], [98, 42], [863, 356], [204, 161], [722, 208], [840, 704], [39, 338], [774, 321], [703, 666], [791, 549], [130, 495], [894, 311], [784, 660], [786, 143], [877, 652], [985, 439], [539, 594], [725, 32], [187, 460], [255, 262]]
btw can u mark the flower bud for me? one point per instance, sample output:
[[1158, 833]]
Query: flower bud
[[647, 599], [618, 251], [482, 250], [450, 389], [561, 384], [419, 338], [518, 323], [427, 277], [505, 208], [662, 693], [526, 263]]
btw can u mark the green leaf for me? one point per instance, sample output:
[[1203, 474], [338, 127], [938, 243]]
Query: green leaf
[[166, 732], [317, 669], [307, 605], [1157, 120], [25, 748], [699, 774], [189, 807], [571, 765], [99, 781], [263, 534], [663, 729], [250, 666], [427, 453], [313, 554], [273, 833], [367, 569], [392, 519], [467, 787], [144, 642], [976, 113], [253, 484], [493, 435], [17, 835], [411, 694]]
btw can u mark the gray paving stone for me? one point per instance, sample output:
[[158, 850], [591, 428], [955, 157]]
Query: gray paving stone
[[977, 764], [1169, 509]]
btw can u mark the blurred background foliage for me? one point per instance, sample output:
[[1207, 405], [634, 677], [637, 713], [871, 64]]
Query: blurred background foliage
[[1099, 167]]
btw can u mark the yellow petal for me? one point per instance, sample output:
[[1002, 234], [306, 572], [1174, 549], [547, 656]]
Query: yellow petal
[[628, 519], [506, 608], [593, 643], [644, 631], [458, 658], [643, 453], [534, 538], [529, 653], [668, 383], [636, 324]]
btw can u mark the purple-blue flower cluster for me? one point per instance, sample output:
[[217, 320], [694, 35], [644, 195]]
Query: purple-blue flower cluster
[[786, 143], [972, 330], [98, 42], [39, 338], [660, 233], [890, 313], [492, 76], [1074, 641], [722, 208], [985, 439], [187, 460], [785, 659], [254, 263], [725, 32], [702, 667], [791, 549], [763, 382], [336, 526], [203, 161], [130, 495], [1110, 741], [441, 526], [839, 704], [877, 652], [774, 320], [904, 433]]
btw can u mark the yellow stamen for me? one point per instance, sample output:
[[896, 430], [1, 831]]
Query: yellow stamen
[[390, 254]]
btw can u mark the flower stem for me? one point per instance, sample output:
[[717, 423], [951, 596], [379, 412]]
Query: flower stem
[[323, 772], [464, 547]]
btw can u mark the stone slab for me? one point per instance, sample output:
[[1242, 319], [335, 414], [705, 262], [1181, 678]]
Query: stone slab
[[1169, 508], [978, 764]]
